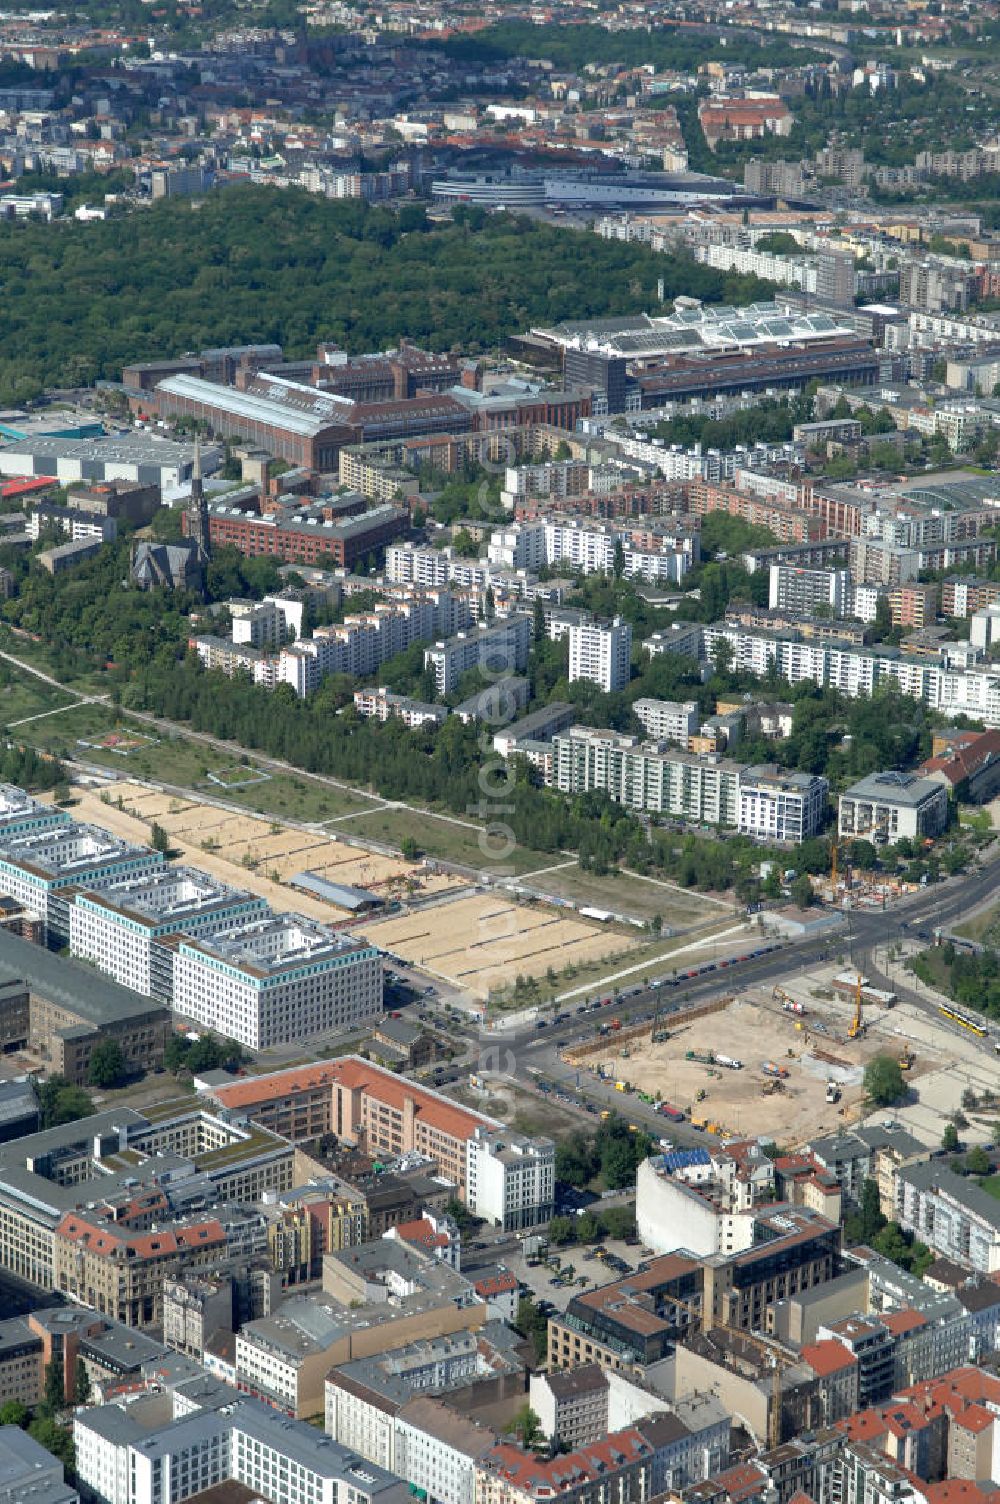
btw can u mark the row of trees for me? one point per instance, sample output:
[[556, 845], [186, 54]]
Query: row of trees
[[971, 979]]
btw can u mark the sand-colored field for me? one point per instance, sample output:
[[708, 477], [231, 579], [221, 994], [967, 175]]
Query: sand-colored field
[[252, 851], [754, 1030], [483, 942]]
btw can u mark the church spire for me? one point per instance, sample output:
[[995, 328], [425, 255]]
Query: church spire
[[198, 526]]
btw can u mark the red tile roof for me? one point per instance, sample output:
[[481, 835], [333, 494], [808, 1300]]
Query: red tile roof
[[828, 1357]]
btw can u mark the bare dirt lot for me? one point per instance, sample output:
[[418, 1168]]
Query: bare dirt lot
[[484, 941], [254, 852], [755, 1030]]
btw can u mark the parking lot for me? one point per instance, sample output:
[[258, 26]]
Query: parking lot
[[588, 1270]]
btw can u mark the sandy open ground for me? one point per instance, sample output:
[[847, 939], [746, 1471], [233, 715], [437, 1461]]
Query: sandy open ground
[[252, 851], [754, 1029], [484, 941]]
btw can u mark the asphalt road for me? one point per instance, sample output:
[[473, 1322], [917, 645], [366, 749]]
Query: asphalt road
[[529, 1053]]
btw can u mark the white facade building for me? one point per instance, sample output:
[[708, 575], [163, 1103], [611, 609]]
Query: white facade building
[[669, 720], [497, 649], [123, 1459], [121, 927], [601, 651], [780, 806], [510, 1179], [277, 980]]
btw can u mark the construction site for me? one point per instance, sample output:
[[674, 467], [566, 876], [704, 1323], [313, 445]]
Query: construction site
[[793, 1063]]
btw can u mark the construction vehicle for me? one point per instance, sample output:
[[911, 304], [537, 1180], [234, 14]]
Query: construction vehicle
[[772, 1086], [906, 1058], [856, 1029], [832, 1091], [788, 1003], [703, 1057], [771, 1069]]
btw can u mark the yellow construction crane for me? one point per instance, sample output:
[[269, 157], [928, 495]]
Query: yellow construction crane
[[857, 1027]]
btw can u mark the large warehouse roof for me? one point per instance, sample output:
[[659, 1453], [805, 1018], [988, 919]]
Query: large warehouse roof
[[275, 410]]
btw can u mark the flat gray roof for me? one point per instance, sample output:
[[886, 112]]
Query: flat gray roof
[[895, 788], [59, 980]]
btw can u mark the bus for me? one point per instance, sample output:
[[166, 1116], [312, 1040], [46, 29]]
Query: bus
[[964, 1020]]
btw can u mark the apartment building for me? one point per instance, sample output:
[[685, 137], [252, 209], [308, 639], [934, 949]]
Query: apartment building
[[601, 651], [646, 775], [619, 1467], [438, 1450], [803, 592], [21, 815], [779, 806], [668, 720], [124, 927], [481, 1369], [635, 1320], [277, 979], [496, 649], [952, 1215], [885, 807], [382, 705], [572, 1404]]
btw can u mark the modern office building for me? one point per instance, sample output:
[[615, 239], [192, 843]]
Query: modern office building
[[38, 869], [510, 1179], [123, 1457], [277, 980], [125, 928], [120, 1166]]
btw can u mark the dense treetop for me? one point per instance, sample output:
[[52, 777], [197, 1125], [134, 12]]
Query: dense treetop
[[573, 47], [253, 264]]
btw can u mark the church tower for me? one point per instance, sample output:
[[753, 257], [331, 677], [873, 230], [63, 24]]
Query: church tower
[[198, 528]]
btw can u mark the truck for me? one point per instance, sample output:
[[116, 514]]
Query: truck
[[791, 1006], [621, 1086], [779, 1072], [729, 1062], [673, 1113]]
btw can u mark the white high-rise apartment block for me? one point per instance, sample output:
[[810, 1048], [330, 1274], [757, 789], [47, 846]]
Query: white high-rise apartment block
[[277, 980], [497, 649], [601, 651], [669, 720]]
